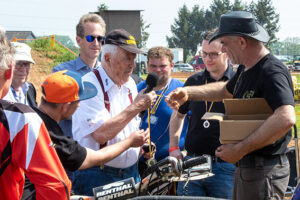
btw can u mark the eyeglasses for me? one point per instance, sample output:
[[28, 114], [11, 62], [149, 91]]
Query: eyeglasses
[[91, 38], [20, 64], [211, 55]]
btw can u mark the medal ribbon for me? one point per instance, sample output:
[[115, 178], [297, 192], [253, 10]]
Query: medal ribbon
[[158, 100], [206, 102]]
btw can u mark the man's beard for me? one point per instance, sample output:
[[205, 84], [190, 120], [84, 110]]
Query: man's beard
[[162, 81]]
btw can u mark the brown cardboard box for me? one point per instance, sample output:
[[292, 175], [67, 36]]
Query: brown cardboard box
[[241, 118]]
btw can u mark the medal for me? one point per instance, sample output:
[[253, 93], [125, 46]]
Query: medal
[[206, 124], [153, 119]]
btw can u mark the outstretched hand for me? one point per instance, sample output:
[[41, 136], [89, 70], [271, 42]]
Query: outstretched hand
[[176, 98]]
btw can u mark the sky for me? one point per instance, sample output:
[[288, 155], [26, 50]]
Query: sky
[[47, 17]]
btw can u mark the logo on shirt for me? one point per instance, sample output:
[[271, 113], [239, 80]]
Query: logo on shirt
[[248, 94]]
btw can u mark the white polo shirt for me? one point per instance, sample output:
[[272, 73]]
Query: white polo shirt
[[92, 113]]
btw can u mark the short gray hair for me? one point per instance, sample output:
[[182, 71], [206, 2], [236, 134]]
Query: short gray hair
[[7, 52], [89, 18], [109, 48]]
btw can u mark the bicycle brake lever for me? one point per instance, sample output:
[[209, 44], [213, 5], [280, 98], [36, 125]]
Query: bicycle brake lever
[[187, 181]]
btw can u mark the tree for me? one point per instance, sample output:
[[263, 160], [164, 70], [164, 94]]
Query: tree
[[266, 16], [102, 7], [144, 33], [187, 30], [217, 8], [180, 30], [238, 5]]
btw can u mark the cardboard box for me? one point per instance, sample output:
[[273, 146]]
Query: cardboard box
[[241, 118]]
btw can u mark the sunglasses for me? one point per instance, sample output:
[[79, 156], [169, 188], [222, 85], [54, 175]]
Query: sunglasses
[[91, 38]]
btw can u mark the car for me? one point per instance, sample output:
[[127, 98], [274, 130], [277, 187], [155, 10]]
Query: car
[[197, 63], [183, 67]]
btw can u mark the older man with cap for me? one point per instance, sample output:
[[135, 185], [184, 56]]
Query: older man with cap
[[22, 91], [62, 92], [111, 116], [262, 167]]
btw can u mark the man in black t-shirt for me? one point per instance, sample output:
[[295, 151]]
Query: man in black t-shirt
[[262, 167], [203, 135], [62, 92]]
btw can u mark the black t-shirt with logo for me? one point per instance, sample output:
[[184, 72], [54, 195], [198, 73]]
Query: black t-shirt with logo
[[200, 140], [268, 79]]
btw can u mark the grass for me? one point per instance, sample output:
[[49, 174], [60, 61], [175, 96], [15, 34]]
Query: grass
[[58, 54]]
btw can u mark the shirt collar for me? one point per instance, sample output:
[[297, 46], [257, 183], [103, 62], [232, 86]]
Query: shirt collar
[[225, 77], [79, 64], [107, 82]]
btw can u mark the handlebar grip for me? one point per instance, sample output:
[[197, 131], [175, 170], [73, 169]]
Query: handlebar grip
[[193, 162]]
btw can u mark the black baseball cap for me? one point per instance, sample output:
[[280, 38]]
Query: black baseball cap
[[123, 39]]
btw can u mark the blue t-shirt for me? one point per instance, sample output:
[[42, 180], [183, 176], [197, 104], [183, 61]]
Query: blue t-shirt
[[159, 122]]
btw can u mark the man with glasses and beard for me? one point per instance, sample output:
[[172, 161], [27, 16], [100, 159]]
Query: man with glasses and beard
[[203, 136]]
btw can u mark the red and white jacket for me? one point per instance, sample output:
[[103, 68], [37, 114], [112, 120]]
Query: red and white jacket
[[26, 148]]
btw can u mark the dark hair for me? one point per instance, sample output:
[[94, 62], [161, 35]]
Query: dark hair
[[49, 104], [208, 34]]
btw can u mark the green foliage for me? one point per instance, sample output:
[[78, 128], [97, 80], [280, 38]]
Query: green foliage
[[145, 34], [266, 16], [102, 7], [290, 47], [187, 30], [190, 25], [59, 54]]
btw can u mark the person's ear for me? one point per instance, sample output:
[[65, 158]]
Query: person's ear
[[9, 72], [64, 107], [172, 65], [78, 40], [107, 57], [243, 43]]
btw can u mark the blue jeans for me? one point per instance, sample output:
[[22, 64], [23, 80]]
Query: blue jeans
[[219, 186], [83, 181]]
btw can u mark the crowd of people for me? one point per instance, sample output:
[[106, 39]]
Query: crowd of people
[[87, 132]]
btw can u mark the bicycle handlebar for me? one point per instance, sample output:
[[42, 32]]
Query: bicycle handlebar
[[193, 162]]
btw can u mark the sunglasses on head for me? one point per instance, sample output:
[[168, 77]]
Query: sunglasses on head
[[91, 38]]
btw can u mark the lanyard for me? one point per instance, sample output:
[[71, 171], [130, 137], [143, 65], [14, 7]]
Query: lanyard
[[158, 100], [207, 102], [106, 99]]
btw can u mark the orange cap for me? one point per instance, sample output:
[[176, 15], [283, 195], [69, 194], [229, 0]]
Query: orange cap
[[67, 86]]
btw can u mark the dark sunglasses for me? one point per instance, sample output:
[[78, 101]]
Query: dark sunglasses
[[91, 38]]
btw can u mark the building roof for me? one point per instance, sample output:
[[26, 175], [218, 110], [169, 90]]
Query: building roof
[[19, 34]]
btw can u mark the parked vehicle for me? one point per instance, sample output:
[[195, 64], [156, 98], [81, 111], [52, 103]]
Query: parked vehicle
[[296, 63], [197, 63], [183, 67]]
